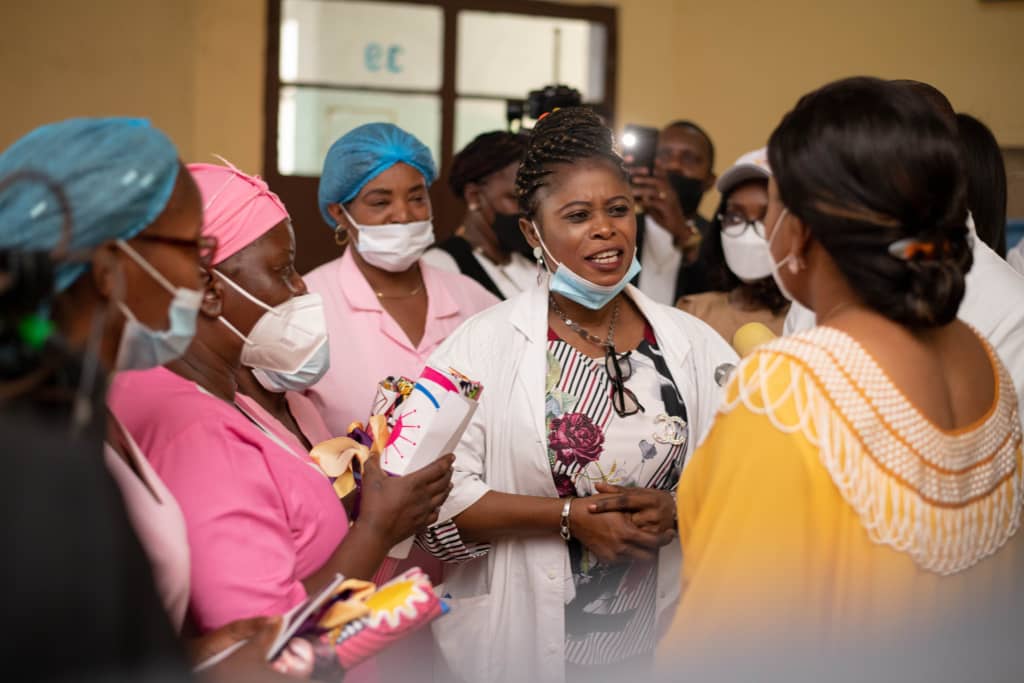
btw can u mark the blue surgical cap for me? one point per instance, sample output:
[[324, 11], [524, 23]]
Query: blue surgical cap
[[362, 154], [117, 174]]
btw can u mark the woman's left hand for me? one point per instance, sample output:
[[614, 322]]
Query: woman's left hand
[[651, 509], [659, 200]]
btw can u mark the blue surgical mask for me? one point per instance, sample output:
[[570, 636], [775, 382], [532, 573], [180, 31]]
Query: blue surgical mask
[[311, 372], [142, 348], [584, 292]]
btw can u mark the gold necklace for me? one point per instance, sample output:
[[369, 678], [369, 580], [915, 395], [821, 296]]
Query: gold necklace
[[414, 292], [835, 310], [382, 295]]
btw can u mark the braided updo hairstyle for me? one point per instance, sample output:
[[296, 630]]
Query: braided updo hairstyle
[[565, 136], [866, 164]]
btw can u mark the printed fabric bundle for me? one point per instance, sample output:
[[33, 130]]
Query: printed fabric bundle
[[358, 622]]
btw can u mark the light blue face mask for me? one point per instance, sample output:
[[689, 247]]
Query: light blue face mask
[[584, 292], [141, 347], [311, 372]]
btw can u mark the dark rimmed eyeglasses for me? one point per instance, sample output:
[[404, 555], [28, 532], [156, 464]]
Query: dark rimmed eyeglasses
[[204, 245], [619, 369], [734, 224]]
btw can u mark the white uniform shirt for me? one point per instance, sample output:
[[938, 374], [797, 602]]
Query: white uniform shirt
[[516, 276], [661, 261], [1015, 257]]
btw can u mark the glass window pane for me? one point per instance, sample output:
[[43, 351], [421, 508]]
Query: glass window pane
[[473, 116], [508, 55], [311, 119], [377, 44]]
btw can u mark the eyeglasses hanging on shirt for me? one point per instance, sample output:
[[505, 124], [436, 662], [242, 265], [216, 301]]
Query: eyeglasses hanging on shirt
[[618, 366]]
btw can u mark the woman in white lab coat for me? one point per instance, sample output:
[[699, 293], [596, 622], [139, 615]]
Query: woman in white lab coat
[[591, 391]]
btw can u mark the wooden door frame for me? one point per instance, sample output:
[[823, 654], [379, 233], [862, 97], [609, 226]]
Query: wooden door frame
[[299, 192]]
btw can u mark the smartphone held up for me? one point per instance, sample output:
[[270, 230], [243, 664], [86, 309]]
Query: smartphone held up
[[639, 145]]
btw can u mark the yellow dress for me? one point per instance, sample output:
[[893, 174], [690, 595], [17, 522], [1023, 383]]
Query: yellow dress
[[824, 508]]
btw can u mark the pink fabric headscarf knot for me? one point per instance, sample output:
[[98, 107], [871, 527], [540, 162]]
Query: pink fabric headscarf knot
[[238, 208]]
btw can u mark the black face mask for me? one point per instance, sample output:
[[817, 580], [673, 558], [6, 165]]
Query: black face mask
[[688, 190], [510, 237]]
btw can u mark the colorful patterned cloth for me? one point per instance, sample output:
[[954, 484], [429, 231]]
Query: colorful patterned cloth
[[361, 621]]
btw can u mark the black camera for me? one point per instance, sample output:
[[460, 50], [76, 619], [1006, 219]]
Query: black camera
[[540, 102]]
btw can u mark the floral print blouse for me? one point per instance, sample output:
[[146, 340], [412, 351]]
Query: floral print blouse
[[612, 617]]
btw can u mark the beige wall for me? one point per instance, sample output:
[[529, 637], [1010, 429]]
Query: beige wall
[[736, 66], [196, 66], [65, 58], [229, 75]]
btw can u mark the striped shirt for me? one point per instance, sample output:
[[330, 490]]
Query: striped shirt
[[612, 617]]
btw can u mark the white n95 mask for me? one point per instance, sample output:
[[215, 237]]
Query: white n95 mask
[[393, 247], [287, 347], [747, 256]]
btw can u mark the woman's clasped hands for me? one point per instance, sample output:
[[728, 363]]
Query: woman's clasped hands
[[619, 524]]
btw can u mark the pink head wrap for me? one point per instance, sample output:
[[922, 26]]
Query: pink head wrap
[[238, 209]]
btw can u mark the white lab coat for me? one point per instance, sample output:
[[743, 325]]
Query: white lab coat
[[1015, 257], [993, 304], [507, 608]]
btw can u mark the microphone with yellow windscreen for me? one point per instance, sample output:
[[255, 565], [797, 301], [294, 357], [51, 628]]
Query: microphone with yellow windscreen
[[751, 336]]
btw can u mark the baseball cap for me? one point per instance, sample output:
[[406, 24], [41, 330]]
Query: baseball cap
[[750, 166]]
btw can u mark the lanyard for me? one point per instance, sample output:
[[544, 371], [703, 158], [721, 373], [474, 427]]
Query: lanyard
[[267, 432]]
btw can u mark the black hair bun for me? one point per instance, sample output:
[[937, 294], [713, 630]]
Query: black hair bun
[[935, 285], [867, 164]]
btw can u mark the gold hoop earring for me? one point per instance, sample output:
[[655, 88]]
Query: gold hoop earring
[[340, 236]]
